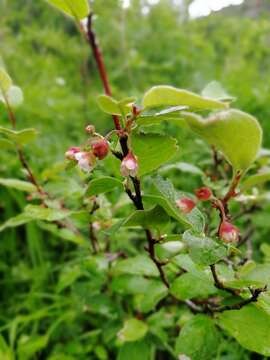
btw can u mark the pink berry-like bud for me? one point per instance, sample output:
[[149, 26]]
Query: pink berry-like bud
[[203, 193], [228, 232], [185, 205], [129, 165], [90, 129], [86, 160], [101, 148], [70, 153]]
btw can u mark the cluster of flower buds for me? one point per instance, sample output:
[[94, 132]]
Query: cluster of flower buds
[[228, 232], [86, 158], [185, 204], [129, 165]]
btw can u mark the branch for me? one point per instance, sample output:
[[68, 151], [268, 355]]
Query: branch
[[254, 297], [92, 41], [219, 284], [232, 189]]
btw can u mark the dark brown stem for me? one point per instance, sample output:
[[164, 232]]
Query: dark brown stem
[[253, 298], [219, 284], [152, 254], [92, 41]]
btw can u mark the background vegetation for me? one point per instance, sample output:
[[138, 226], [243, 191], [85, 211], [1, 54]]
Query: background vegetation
[[53, 303]]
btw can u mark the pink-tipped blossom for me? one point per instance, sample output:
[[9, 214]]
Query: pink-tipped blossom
[[129, 165], [85, 160], [70, 153], [228, 232], [185, 205]]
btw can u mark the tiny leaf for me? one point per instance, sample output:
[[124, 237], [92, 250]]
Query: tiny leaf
[[214, 90], [78, 9], [132, 330]]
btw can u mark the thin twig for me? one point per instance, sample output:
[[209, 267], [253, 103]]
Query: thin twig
[[232, 189], [253, 298], [219, 284], [92, 41]]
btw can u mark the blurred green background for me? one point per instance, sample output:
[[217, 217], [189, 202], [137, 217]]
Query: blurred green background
[[143, 45]]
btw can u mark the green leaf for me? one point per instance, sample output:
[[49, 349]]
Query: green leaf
[[170, 248], [6, 144], [132, 330], [68, 276], [155, 217], [111, 106], [236, 134], [249, 326], [129, 284], [204, 250], [214, 90], [20, 137], [255, 180], [167, 197], [138, 265], [102, 185], [35, 212], [170, 96], [172, 114], [198, 339], [78, 9], [154, 292], [189, 286], [5, 81], [30, 345], [135, 351], [18, 184], [152, 150]]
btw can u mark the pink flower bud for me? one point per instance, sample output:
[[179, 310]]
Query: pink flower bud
[[185, 205], [129, 165], [203, 193], [90, 129], [86, 160], [70, 153], [228, 232], [100, 148]]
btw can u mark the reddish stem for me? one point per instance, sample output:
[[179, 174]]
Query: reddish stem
[[232, 189], [92, 41]]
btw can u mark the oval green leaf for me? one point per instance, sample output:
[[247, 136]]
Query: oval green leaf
[[102, 185], [165, 95], [236, 134]]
